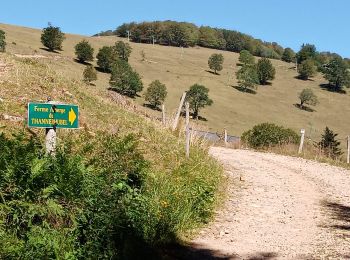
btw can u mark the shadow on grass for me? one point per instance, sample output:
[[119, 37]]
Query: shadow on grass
[[266, 84], [152, 107], [199, 118], [308, 79], [212, 72], [305, 108], [81, 62], [245, 90], [331, 88], [123, 94], [101, 70], [48, 50]]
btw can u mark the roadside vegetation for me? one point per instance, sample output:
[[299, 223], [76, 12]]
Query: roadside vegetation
[[119, 182]]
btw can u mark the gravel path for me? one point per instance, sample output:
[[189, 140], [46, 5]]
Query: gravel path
[[279, 207]]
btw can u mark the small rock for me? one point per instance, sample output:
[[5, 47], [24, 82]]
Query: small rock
[[226, 231], [12, 118], [1, 100], [222, 233]]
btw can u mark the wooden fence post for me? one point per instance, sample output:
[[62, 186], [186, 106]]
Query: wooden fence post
[[302, 131], [187, 129], [348, 155], [225, 136], [176, 120], [163, 115]]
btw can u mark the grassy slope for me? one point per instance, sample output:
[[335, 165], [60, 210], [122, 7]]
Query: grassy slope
[[231, 109]]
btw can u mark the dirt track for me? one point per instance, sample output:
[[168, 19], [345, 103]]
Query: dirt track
[[279, 207]]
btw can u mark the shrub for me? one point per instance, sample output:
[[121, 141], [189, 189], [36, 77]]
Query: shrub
[[52, 38], [266, 134], [308, 97], [97, 197], [306, 69], [329, 144], [124, 79], [337, 73], [84, 51], [123, 50], [265, 70], [2, 41], [156, 93], [106, 56], [89, 74], [288, 55], [246, 58], [247, 77]]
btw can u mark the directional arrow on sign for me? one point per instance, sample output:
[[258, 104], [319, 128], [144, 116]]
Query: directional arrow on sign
[[72, 116]]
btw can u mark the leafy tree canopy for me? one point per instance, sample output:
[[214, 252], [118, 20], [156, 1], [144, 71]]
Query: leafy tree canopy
[[246, 58], [84, 51], [247, 77], [215, 62], [124, 79], [307, 51], [106, 56], [156, 93], [198, 97], [123, 50], [288, 55], [307, 69], [308, 97], [337, 73], [52, 38], [266, 71]]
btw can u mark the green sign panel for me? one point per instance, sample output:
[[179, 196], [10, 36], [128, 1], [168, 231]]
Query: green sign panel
[[46, 115]]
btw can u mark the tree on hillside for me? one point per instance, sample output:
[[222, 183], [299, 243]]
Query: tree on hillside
[[246, 58], [52, 38], [123, 50], [2, 41], [307, 51], [265, 70], [307, 69], [215, 62], [198, 97], [124, 79], [106, 56], [329, 144], [247, 77], [89, 74], [308, 97], [288, 55], [84, 51], [337, 73], [156, 93]]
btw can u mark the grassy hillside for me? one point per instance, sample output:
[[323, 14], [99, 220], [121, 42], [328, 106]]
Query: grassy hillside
[[232, 109], [177, 194]]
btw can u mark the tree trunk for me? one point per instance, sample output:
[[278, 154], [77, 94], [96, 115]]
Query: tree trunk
[[195, 114]]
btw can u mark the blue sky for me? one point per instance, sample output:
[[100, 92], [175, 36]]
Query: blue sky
[[290, 23]]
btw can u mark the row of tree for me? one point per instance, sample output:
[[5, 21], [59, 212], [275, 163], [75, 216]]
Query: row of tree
[[187, 34]]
